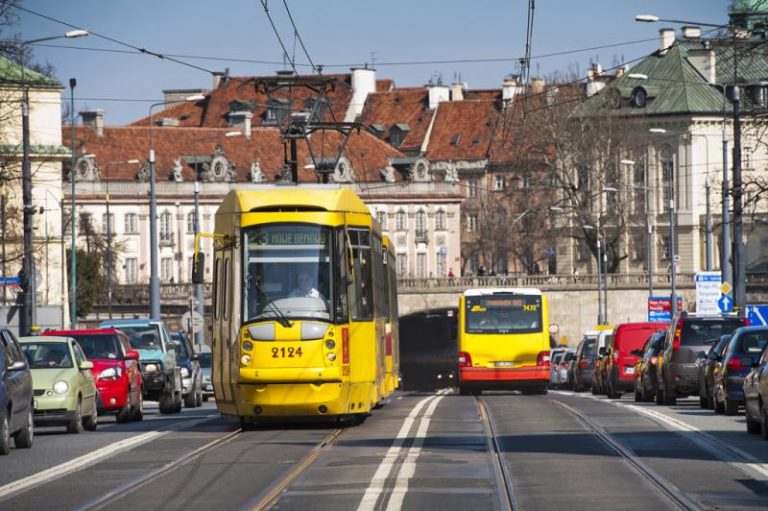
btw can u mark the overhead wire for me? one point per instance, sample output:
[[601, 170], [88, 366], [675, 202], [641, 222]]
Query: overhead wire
[[277, 34], [298, 36]]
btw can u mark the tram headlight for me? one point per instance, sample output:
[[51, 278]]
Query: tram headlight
[[330, 344], [331, 356], [247, 345], [245, 359]]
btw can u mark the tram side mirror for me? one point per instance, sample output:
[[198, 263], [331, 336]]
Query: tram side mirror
[[198, 264]]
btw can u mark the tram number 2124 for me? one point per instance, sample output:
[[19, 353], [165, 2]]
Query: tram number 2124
[[286, 352]]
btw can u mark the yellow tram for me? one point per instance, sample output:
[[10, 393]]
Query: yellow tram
[[304, 312]]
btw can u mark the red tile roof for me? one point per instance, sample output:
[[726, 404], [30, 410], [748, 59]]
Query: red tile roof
[[400, 106], [462, 130]]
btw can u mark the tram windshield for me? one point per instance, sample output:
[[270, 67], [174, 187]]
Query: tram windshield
[[503, 314], [288, 272]]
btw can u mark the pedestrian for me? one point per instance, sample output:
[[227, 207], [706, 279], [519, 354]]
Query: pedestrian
[[450, 273]]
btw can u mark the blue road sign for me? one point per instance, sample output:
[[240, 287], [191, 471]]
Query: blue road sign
[[725, 303], [757, 314], [10, 281]]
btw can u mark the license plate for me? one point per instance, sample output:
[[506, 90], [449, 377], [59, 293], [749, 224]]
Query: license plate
[[503, 363], [629, 370]]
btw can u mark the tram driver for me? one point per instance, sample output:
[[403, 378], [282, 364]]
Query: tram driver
[[305, 286]]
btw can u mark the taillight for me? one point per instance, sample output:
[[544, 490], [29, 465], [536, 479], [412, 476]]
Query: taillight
[[464, 359], [616, 355], [653, 360], [734, 364], [543, 359], [583, 363], [746, 321], [676, 338]]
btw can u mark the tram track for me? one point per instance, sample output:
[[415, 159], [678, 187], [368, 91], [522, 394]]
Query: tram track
[[663, 485], [504, 485]]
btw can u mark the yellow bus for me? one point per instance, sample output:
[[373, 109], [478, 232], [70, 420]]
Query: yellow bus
[[503, 340], [301, 294]]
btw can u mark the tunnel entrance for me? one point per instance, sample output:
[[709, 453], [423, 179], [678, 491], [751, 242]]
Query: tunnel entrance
[[428, 344]]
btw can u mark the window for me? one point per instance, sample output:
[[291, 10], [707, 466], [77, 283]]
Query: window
[[131, 267], [361, 298], [166, 269], [440, 220], [667, 177], [746, 158], [191, 222], [402, 265], [400, 220], [456, 139], [440, 258], [472, 188], [381, 217], [86, 224], [665, 248], [421, 221], [131, 225], [165, 226], [498, 184], [421, 265], [108, 223], [472, 222]]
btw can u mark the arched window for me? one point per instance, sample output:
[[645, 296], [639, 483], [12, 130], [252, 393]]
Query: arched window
[[191, 222], [165, 226], [421, 221], [400, 220], [440, 220]]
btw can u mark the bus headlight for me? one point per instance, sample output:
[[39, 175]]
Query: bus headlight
[[247, 345], [245, 359], [60, 387], [330, 344], [331, 356]]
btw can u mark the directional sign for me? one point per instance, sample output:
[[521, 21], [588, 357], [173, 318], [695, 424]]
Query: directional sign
[[10, 281], [196, 319], [757, 314], [725, 303], [660, 308], [707, 292]]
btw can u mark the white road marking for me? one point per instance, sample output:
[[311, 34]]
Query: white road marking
[[376, 486], [86, 460]]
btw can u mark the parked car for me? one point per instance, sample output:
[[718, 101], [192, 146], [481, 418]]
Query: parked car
[[556, 357], [756, 396], [707, 364], [16, 400], [686, 336], [65, 391], [191, 375], [583, 363], [620, 361], [160, 374], [601, 361], [205, 367], [744, 349], [116, 369], [645, 368]]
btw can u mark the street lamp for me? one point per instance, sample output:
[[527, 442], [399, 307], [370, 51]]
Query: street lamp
[[154, 281], [26, 313], [109, 231]]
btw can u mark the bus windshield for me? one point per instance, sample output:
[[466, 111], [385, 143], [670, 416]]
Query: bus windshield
[[288, 272], [503, 314]]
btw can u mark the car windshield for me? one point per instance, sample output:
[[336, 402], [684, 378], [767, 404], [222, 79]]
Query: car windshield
[[99, 346], [695, 332], [50, 355], [205, 359], [182, 353], [143, 337]]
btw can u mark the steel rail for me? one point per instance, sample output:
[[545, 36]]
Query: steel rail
[[665, 487], [270, 495], [506, 493]]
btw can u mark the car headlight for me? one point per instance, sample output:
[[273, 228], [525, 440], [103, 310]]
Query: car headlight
[[111, 373], [60, 387], [151, 368], [184, 372]]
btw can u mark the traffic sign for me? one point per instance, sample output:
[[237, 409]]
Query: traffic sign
[[196, 320], [725, 303], [707, 292], [726, 288], [757, 314]]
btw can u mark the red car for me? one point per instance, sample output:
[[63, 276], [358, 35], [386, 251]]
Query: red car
[[620, 362], [116, 370]]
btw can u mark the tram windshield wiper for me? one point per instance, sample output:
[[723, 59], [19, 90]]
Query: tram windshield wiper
[[271, 307]]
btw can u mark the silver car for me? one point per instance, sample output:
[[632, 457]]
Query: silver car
[[205, 367]]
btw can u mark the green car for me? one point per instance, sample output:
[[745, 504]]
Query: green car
[[64, 389]]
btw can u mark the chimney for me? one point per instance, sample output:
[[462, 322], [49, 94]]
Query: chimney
[[509, 89], [595, 81], [703, 60], [666, 39], [241, 119], [180, 95], [691, 32], [437, 94], [537, 85], [457, 91], [95, 120], [363, 83]]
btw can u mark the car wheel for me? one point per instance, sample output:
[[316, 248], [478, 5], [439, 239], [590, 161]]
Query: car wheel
[[91, 423], [205, 399], [137, 412], [717, 405], [189, 400], [5, 433], [703, 402], [659, 397], [23, 438], [166, 403], [730, 406], [670, 398], [199, 398], [177, 405], [124, 415], [75, 425], [753, 426]]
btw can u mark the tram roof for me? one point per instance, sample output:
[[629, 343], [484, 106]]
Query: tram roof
[[271, 197], [498, 290]]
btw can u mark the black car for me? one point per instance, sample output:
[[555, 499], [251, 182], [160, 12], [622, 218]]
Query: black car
[[678, 370], [191, 373], [16, 399], [745, 348], [707, 363], [583, 364], [645, 370], [756, 395]]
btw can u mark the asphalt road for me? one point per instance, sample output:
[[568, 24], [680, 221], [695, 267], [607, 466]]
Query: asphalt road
[[422, 451]]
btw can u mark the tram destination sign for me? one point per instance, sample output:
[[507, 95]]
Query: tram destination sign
[[291, 237]]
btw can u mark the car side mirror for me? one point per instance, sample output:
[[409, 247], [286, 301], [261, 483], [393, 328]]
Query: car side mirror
[[19, 365], [601, 351], [86, 364], [131, 355]]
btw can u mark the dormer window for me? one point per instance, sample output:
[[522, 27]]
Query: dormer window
[[397, 134], [317, 107], [455, 139], [277, 110], [499, 183]]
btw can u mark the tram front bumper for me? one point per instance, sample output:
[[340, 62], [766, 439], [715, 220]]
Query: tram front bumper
[[300, 399]]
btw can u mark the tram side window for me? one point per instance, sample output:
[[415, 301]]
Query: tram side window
[[225, 291], [341, 278], [378, 284], [216, 283], [361, 296]]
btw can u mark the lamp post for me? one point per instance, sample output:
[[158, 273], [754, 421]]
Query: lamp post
[[26, 314], [154, 281], [199, 292]]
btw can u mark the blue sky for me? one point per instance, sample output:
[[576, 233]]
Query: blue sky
[[389, 34]]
